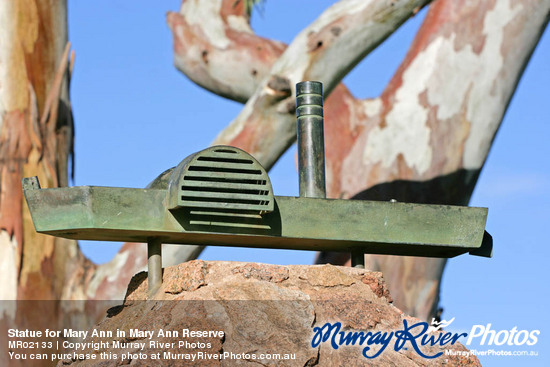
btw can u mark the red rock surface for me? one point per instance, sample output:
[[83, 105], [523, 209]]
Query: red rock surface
[[261, 309]]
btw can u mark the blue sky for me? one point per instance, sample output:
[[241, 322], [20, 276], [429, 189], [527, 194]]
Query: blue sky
[[136, 115]]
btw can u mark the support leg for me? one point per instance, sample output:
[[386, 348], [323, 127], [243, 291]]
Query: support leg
[[358, 259], [154, 264]]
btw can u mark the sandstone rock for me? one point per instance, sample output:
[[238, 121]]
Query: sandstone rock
[[262, 309]]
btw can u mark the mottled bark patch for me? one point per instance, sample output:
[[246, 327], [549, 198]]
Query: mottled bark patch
[[341, 131], [280, 85]]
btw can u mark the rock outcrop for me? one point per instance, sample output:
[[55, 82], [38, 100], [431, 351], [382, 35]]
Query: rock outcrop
[[268, 315]]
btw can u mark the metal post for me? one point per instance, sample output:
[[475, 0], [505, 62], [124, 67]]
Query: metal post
[[311, 147], [154, 264], [311, 144], [358, 259]]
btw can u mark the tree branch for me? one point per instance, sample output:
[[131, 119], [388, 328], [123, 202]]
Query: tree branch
[[427, 136], [216, 48], [347, 31]]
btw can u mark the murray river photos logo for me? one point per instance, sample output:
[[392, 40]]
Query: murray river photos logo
[[417, 335]]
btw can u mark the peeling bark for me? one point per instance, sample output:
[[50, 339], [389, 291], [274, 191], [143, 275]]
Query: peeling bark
[[36, 139], [36, 133], [437, 120], [212, 38], [266, 125], [426, 138]]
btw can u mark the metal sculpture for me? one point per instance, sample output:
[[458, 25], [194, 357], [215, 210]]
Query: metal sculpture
[[222, 196]]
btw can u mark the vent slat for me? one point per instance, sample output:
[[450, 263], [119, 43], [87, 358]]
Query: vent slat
[[223, 175], [230, 150], [224, 160], [208, 204], [229, 224], [240, 190], [215, 154], [239, 170], [225, 195], [224, 201], [224, 165], [197, 185]]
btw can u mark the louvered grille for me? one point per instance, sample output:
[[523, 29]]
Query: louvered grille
[[225, 179]]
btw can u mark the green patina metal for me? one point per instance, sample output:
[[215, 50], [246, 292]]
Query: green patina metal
[[311, 141], [311, 148], [222, 196], [125, 214], [221, 178]]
